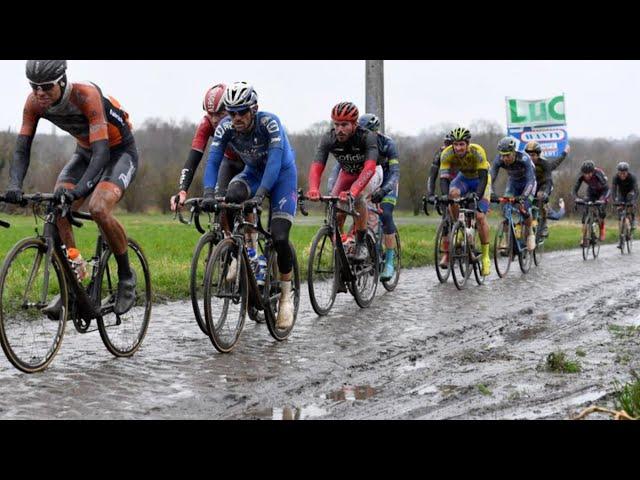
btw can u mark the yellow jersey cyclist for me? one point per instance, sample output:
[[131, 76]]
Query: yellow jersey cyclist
[[472, 181]]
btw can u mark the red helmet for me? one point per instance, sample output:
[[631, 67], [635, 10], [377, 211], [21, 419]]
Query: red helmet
[[345, 112], [212, 102]]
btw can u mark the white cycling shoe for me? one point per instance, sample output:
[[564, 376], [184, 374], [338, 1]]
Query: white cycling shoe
[[285, 307]]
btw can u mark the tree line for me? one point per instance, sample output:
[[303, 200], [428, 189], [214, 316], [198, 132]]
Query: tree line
[[163, 147]]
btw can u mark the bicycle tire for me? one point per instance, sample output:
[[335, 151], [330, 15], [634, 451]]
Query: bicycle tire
[[441, 273], [459, 255], [321, 245], [196, 281], [362, 271], [502, 270]]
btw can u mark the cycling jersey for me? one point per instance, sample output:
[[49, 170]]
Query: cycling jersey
[[352, 154], [622, 188], [522, 177], [231, 162], [474, 160], [544, 167], [265, 150], [597, 187], [388, 159]]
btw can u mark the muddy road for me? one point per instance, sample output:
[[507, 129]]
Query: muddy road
[[425, 351]]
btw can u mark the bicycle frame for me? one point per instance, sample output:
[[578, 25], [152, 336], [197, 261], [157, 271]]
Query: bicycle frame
[[508, 211]]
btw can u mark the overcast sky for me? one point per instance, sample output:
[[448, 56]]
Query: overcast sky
[[602, 98]]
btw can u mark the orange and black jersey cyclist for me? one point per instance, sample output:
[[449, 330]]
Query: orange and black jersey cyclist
[[101, 128]]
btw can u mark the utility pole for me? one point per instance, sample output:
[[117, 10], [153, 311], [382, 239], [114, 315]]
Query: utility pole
[[374, 89]]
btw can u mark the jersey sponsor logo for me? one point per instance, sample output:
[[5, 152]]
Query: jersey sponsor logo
[[272, 127], [221, 130], [125, 178], [115, 115], [281, 203], [544, 135], [183, 175]]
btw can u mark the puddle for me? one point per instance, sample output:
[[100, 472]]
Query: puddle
[[287, 413], [352, 393], [244, 378]]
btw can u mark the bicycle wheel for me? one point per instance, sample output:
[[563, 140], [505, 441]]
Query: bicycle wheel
[[628, 239], [439, 250], [225, 299], [524, 256], [459, 256], [322, 273], [29, 338], [272, 293], [476, 258], [123, 334], [539, 251], [503, 249], [366, 274], [199, 260], [595, 239], [391, 284]]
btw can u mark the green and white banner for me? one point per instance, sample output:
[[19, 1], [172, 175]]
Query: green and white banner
[[531, 113]]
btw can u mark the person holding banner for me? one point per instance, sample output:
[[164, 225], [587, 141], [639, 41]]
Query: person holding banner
[[521, 182], [544, 179], [597, 189], [472, 180]]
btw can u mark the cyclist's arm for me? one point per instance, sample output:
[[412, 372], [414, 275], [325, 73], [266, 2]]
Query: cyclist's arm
[[433, 174], [602, 179], [198, 145], [393, 178], [445, 172], [576, 187], [553, 164], [547, 182], [530, 187], [483, 178], [614, 189], [22, 152], [495, 170], [92, 107], [221, 138], [333, 176], [319, 162]]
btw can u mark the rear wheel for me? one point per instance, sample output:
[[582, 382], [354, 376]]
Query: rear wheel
[[30, 338], [322, 274], [477, 258], [539, 251], [503, 249], [123, 334]]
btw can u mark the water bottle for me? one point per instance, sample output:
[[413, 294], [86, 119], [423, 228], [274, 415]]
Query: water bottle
[[261, 271], [518, 231], [78, 264]]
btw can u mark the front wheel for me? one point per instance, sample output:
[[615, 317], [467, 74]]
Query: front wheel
[[628, 238], [459, 259], [366, 274], [199, 260], [503, 249], [595, 239], [440, 249], [476, 258], [322, 273], [539, 251], [524, 255], [272, 294], [123, 334], [30, 338]]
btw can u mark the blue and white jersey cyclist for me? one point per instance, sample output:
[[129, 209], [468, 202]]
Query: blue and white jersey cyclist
[[261, 142], [521, 181]]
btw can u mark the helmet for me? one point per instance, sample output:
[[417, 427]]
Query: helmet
[[212, 102], [506, 145], [533, 147], [623, 167], [370, 122], [587, 166], [45, 71], [460, 134], [345, 112], [240, 96], [447, 139]]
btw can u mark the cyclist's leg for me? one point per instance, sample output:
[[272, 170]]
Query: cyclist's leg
[[483, 224], [228, 170], [114, 181], [342, 183], [457, 188], [69, 178], [242, 187], [361, 208]]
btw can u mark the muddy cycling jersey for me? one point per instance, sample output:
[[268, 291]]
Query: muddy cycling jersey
[[474, 160], [352, 154], [544, 167], [84, 112], [203, 133], [522, 177], [388, 159], [622, 188], [265, 150], [597, 184]]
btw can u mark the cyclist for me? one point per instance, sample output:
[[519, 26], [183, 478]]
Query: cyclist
[[356, 151], [435, 167], [544, 179], [231, 163], [104, 163], [472, 180], [387, 194], [261, 142], [625, 189], [597, 189], [521, 181]]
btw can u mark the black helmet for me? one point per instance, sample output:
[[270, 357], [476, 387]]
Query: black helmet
[[506, 145], [533, 147], [623, 167], [45, 71], [587, 166], [370, 122], [448, 139]]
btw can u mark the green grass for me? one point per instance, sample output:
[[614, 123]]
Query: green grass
[[581, 353], [628, 397], [168, 244], [623, 331], [558, 362], [484, 390]]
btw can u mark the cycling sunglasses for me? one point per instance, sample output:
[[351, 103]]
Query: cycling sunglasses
[[46, 86], [239, 112]]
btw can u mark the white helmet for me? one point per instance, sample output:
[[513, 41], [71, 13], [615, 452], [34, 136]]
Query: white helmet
[[239, 96]]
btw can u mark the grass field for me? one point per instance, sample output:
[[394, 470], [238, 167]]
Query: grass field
[[168, 244]]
